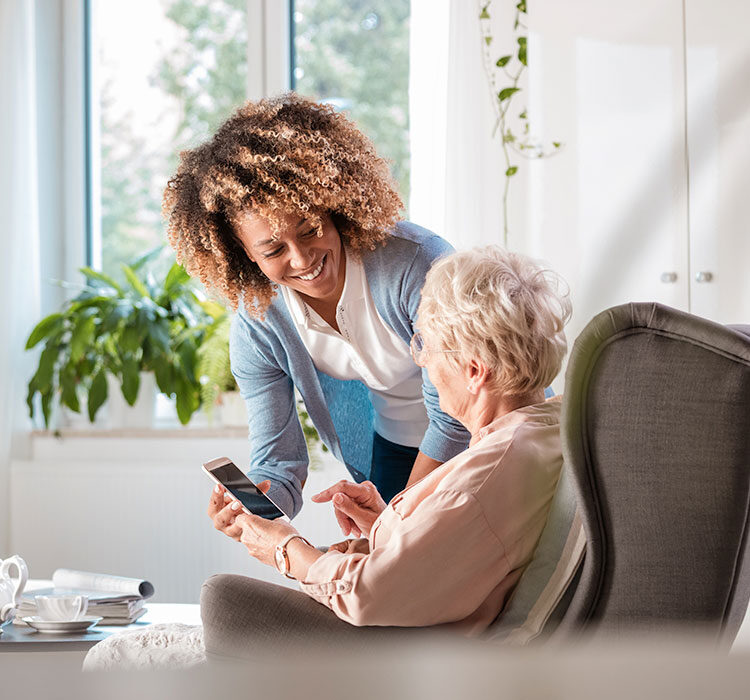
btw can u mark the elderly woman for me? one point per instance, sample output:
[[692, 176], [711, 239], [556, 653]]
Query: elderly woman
[[449, 549], [289, 214]]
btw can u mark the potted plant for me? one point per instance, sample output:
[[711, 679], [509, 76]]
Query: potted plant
[[120, 330], [218, 388]]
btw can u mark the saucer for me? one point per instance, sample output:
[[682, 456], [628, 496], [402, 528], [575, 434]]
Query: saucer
[[82, 624]]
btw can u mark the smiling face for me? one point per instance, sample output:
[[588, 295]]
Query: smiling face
[[297, 256]]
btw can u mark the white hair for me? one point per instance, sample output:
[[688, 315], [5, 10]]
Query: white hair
[[502, 309]]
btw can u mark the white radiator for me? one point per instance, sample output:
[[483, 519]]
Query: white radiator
[[142, 518]]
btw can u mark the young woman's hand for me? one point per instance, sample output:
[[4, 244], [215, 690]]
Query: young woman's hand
[[357, 506]]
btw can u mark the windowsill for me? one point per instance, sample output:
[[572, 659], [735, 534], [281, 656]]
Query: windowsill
[[168, 432], [159, 445]]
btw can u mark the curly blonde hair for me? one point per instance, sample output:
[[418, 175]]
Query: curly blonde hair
[[501, 308], [277, 157]]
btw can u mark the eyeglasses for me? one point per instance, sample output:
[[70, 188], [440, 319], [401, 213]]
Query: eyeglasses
[[419, 351]]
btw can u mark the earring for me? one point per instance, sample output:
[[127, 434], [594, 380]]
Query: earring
[[320, 234]]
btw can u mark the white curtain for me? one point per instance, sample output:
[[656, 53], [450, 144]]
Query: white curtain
[[456, 163], [19, 230]]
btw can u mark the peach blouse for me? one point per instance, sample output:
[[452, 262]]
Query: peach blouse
[[450, 548]]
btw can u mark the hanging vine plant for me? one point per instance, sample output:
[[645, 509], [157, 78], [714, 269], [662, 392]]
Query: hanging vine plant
[[510, 67]]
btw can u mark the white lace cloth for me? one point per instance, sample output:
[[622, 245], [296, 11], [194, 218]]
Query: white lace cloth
[[161, 646]]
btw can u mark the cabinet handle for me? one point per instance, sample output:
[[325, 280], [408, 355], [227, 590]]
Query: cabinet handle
[[669, 277], [704, 276]]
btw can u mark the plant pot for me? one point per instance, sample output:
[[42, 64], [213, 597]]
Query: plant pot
[[141, 413], [232, 410]]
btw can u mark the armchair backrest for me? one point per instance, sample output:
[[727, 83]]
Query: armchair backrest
[[656, 434]]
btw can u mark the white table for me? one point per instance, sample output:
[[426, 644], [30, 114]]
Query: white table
[[25, 639], [24, 643]]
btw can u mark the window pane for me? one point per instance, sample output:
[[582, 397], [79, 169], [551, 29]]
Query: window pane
[[165, 74], [354, 54]]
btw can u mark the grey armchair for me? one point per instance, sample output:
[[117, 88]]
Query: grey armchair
[[656, 439]]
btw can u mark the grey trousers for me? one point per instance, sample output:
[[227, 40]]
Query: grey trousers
[[245, 618]]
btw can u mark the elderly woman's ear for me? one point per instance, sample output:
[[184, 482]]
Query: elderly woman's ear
[[477, 376]]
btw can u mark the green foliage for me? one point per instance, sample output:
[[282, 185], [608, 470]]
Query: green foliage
[[308, 430], [507, 93], [355, 54], [214, 371], [144, 325], [207, 70], [513, 66], [206, 74], [522, 43], [131, 184]]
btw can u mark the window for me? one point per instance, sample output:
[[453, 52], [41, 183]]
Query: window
[[354, 54], [164, 75]]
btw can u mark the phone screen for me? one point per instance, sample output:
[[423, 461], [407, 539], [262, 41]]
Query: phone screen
[[245, 491]]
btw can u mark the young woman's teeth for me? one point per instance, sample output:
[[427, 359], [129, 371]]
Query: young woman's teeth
[[314, 273]]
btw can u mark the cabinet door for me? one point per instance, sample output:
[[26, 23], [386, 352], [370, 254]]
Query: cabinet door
[[610, 211], [718, 128]]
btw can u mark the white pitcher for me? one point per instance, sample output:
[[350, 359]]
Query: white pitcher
[[11, 587]]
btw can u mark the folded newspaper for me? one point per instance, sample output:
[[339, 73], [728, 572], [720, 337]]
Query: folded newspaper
[[119, 600]]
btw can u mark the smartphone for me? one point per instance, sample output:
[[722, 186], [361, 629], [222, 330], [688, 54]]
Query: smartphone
[[225, 472]]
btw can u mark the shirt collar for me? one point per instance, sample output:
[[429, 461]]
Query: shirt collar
[[355, 282], [514, 418]]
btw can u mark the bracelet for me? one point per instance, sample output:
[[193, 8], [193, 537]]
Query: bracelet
[[282, 557]]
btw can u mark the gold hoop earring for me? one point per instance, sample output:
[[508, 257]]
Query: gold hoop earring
[[320, 234]]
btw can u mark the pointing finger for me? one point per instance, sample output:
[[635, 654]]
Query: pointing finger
[[346, 487]]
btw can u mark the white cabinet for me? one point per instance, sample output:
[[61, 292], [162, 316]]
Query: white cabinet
[[652, 101], [718, 146]]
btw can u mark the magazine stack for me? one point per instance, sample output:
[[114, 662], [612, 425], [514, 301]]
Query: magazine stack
[[117, 599]]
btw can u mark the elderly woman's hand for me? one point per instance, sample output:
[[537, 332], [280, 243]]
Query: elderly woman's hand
[[223, 510], [260, 536], [357, 506], [360, 546]]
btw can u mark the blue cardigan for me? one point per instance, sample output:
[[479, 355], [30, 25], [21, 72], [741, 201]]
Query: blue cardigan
[[269, 361]]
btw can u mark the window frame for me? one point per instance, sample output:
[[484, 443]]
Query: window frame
[[74, 136]]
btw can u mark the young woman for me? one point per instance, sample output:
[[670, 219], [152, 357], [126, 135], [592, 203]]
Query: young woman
[[290, 215]]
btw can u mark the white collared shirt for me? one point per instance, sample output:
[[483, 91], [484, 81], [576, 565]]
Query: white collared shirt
[[365, 349]]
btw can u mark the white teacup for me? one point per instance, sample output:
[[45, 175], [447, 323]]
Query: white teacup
[[61, 608]]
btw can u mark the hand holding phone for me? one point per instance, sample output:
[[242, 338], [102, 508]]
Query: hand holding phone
[[251, 498], [222, 515]]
